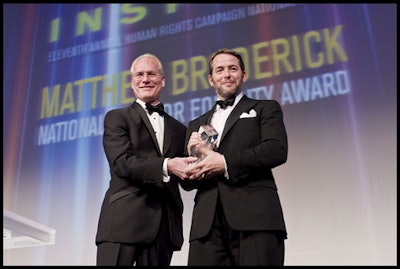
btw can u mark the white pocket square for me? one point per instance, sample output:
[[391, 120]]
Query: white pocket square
[[251, 114]]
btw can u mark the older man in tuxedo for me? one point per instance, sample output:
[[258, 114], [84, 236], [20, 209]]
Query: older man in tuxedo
[[141, 216]]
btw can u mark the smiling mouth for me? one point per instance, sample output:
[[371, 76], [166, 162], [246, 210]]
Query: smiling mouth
[[229, 83]]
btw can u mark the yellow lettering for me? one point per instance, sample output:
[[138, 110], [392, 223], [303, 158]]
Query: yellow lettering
[[93, 23], [179, 74], [280, 53], [81, 83], [296, 52], [258, 59], [68, 100], [126, 88], [199, 66], [265, 59], [309, 39], [55, 30], [138, 12], [245, 57], [107, 91], [332, 45], [50, 105], [171, 8]]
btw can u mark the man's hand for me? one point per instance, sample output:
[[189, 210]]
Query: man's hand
[[212, 164], [195, 144], [179, 165]]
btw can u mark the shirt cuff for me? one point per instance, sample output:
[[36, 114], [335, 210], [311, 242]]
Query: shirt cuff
[[226, 169], [165, 171]]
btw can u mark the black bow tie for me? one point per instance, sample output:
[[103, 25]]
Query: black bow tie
[[159, 108], [225, 103]]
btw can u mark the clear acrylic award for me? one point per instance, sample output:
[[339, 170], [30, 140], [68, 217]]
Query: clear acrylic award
[[208, 134]]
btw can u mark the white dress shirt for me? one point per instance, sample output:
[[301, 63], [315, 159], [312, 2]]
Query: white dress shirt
[[218, 121], [220, 116], [157, 121]]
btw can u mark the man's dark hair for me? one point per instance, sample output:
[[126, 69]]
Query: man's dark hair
[[226, 51]]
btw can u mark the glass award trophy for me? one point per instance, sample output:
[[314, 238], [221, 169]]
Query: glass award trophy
[[209, 135]]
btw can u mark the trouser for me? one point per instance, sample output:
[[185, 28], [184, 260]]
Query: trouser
[[225, 246]]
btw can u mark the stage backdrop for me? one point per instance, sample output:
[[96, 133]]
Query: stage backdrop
[[332, 67]]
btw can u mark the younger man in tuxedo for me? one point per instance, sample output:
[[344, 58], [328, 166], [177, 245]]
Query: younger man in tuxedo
[[237, 216]]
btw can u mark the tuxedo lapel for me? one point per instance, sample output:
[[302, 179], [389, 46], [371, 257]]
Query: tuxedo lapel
[[208, 116], [140, 110], [244, 105]]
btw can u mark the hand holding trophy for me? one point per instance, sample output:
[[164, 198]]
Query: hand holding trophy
[[209, 136]]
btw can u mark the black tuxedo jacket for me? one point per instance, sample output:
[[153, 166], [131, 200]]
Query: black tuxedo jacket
[[254, 141], [131, 210]]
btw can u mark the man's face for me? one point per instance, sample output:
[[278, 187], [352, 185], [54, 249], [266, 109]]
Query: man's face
[[227, 77], [146, 80]]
